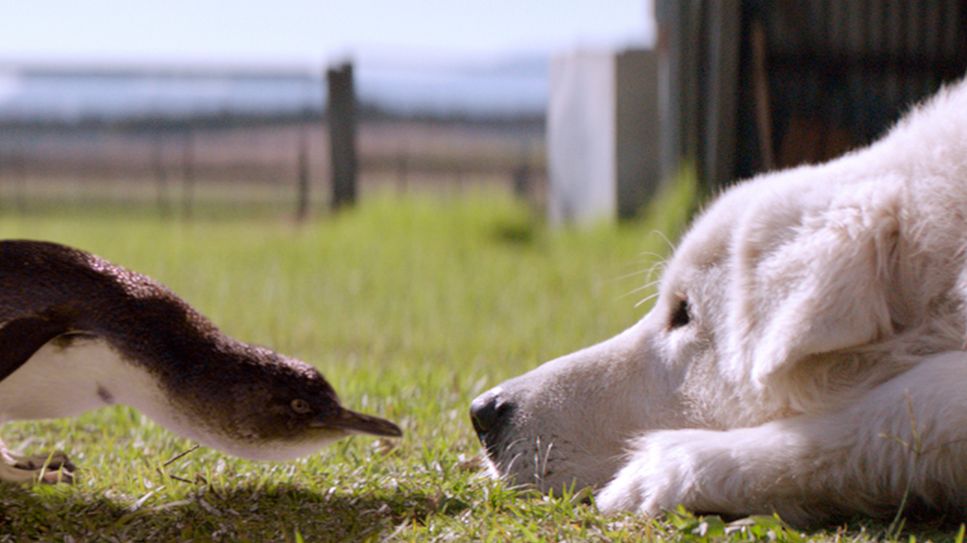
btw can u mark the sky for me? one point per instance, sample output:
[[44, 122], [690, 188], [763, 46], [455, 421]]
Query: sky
[[299, 32]]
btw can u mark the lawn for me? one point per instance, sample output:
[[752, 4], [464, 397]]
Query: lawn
[[411, 307]]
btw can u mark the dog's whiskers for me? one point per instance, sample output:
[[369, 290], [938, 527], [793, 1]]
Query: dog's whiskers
[[509, 447], [659, 266], [629, 275], [646, 286], [660, 234], [647, 299], [513, 460]]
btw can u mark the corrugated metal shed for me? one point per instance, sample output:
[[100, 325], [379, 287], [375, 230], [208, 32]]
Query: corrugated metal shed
[[754, 85]]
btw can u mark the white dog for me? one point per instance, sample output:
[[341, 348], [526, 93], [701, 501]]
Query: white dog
[[806, 353]]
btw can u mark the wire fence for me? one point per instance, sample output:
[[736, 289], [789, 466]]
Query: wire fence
[[179, 168]]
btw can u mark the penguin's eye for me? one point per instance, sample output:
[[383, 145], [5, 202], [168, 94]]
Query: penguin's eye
[[300, 406]]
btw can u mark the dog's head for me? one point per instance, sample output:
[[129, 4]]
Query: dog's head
[[780, 298]]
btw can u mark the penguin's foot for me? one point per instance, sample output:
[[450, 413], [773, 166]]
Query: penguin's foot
[[52, 468], [14, 474], [57, 460]]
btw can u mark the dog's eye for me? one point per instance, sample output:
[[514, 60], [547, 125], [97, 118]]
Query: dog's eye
[[680, 317]]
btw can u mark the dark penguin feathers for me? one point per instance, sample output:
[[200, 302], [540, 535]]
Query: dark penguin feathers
[[123, 337], [20, 338]]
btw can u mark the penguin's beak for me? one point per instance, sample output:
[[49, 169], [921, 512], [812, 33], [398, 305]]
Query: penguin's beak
[[353, 422]]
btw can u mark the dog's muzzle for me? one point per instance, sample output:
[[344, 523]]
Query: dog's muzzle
[[489, 414]]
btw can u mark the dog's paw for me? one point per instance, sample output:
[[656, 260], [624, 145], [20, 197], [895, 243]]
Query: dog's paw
[[662, 473]]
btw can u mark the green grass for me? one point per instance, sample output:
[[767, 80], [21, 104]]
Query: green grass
[[410, 308]]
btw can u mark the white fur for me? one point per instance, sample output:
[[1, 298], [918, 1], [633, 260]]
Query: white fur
[[823, 372]]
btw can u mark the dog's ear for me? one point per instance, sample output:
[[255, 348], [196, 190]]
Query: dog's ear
[[809, 283]]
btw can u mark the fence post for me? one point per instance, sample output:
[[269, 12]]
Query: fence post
[[17, 172], [160, 174], [342, 134], [188, 173], [20, 173], [302, 196], [401, 171], [521, 174]]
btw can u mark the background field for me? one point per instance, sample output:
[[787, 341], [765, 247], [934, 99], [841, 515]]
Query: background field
[[410, 306]]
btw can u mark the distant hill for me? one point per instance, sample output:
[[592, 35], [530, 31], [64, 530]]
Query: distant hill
[[74, 93]]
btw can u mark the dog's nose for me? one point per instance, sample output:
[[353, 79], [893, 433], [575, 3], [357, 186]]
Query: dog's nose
[[487, 413]]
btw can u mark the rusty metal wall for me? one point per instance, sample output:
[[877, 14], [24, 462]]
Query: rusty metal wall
[[753, 85], [840, 72]]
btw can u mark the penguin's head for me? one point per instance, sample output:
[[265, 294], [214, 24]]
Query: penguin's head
[[272, 407]]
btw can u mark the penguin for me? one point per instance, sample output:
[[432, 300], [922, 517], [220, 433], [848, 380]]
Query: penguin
[[78, 332]]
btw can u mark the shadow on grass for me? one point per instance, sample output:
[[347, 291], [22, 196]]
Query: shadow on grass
[[515, 232], [214, 513]]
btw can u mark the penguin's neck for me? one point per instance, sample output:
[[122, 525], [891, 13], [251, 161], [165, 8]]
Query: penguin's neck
[[67, 378]]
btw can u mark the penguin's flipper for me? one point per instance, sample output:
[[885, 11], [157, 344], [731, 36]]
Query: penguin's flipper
[[21, 338]]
